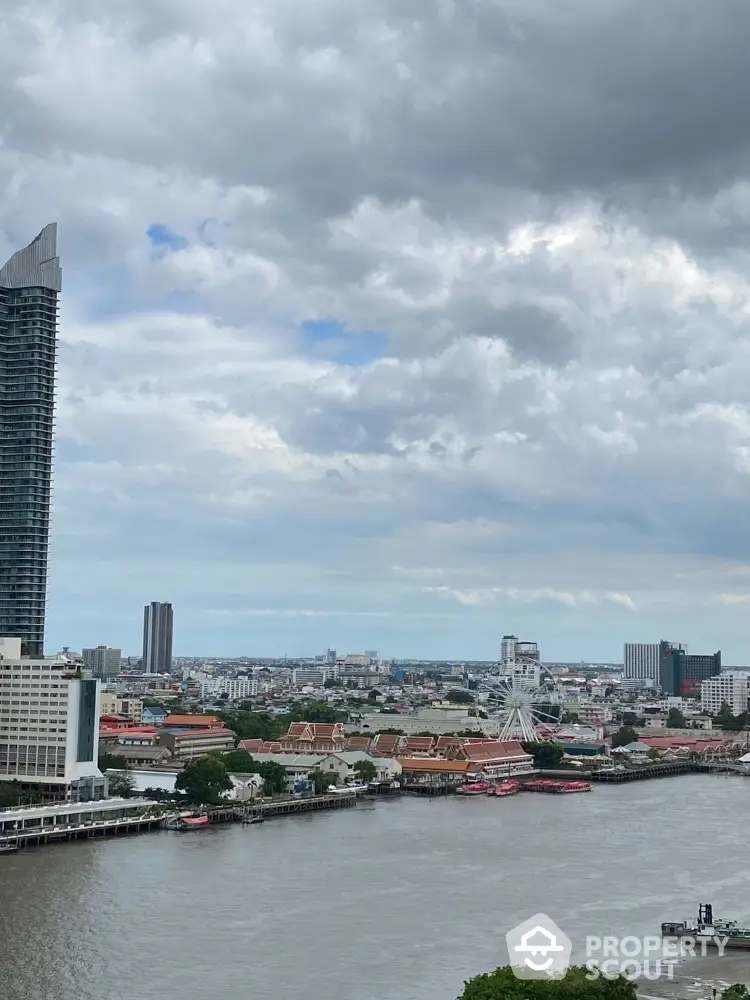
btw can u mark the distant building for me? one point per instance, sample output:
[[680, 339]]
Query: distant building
[[186, 744], [112, 704], [49, 725], [641, 660], [520, 660], [308, 677], [102, 661], [157, 638], [731, 688], [682, 674], [153, 715]]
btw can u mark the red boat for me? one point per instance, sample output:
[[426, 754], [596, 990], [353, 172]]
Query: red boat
[[573, 786], [555, 787], [187, 823], [504, 788], [476, 788]]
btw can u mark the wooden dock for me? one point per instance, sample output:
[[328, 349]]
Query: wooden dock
[[642, 773], [270, 809]]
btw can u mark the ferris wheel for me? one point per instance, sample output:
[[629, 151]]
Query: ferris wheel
[[518, 712]]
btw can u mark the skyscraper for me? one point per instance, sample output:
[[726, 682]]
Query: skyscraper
[[29, 286], [157, 638]]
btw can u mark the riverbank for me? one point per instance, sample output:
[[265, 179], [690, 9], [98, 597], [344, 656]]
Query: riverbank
[[411, 896]]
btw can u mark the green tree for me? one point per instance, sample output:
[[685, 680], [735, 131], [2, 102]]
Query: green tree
[[736, 992], [10, 793], [321, 781], [315, 711], [112, 761], [623, 736], [675, 719], [365, 770], [203, 780], [459, 697], [576, 985], [122, 785], [332, 682], [273, 775], [732, 723], [240, 762], [629, 719], [546, 755]]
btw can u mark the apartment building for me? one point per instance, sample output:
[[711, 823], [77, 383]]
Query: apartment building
[[731, 688], [49, 724]]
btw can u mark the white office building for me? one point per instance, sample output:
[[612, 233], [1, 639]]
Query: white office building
[[49, 726], [236, 688], [731, 688]]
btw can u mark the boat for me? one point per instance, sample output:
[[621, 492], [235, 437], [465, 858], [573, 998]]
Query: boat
[[709, 931], [8, 848], [474, 788], [555, 787], [504, 788], [573, 786], [187, 823], [255, 818]]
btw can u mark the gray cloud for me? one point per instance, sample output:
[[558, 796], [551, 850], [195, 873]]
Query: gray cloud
[[541, 208]]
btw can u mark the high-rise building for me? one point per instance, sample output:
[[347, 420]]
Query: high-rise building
[[642, 659], [102, 661], [521, 660], [157, 638], [680, 674], [29, 286], [49, 726]]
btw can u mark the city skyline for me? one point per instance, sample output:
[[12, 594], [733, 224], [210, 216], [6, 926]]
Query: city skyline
[[388, 374]]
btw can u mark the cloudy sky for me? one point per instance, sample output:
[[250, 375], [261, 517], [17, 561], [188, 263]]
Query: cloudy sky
[[397, 324]]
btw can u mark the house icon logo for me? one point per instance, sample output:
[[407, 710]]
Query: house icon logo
[[538, 949]]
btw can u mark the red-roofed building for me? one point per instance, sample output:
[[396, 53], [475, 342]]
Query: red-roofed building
[[385, 744], [250, 745], [313, 737], [193, 722], [116, 722], [495, 758], [445, 744], [359, 743], [417, 744]]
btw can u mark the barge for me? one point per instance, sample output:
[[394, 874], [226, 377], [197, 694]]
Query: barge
[[708, 931]]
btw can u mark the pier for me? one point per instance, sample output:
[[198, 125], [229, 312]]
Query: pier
[[642, 773], [35, 826], [269, 809]]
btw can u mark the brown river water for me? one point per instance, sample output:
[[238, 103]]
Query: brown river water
[[399, 900]]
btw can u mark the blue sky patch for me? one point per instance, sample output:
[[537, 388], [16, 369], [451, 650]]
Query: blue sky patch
[[331, 339], [162, 237]]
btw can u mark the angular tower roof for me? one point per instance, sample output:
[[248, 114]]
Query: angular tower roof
[[35, 265]]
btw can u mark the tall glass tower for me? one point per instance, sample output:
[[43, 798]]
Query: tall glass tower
[[158, 622], [30, 283]]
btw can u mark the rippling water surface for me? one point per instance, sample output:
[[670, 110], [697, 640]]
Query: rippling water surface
[[402, 899]]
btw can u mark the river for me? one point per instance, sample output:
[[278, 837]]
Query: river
[[394, 900]]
